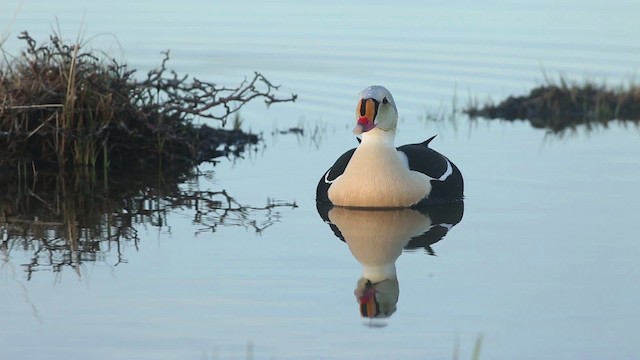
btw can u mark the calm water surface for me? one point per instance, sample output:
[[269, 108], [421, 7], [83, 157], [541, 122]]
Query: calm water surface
[[544, 263]]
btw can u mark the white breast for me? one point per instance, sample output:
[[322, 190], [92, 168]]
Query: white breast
[[378, 176]]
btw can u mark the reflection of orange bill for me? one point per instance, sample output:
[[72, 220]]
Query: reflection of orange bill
[[369, 306]]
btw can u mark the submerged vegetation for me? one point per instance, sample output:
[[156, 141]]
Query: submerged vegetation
[[63, 106], [63, 222], [566, 105], [89, 149]]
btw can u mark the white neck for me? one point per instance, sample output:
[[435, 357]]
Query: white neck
[[377, 273], [377, 136]]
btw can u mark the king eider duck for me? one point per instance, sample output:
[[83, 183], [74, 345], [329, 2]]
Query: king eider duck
[[376, 174]]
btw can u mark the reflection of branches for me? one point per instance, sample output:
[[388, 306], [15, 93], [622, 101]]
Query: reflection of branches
[[211, 209], [218, 208], [6, 264], [53, 245], [58, 230]]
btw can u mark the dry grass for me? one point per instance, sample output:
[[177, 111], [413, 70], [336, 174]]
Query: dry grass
[[565, 105], [64, 106], [88, 150]]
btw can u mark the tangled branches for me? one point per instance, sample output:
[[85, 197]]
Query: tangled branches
[[181, 98], [64, 106]]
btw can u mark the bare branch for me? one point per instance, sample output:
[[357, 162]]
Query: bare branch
[[180, 97]]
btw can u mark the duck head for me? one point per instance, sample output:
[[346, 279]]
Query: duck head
[[376, 110], [379, 299]]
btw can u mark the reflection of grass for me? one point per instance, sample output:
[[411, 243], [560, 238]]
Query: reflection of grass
[[475, 355], [79, 136], [312, 134], [562, 105], [64, 221], [476, 348]]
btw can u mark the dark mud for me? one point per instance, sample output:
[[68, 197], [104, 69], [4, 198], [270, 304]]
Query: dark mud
[[558, 107]]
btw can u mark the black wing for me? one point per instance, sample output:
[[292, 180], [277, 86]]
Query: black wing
[[424, 159], [443, 217], [336, 170], [447, 184]]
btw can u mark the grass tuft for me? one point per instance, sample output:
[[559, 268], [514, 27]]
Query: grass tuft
[[562, 105], [64, 106]]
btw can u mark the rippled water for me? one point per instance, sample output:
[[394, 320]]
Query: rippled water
[[543, 263]]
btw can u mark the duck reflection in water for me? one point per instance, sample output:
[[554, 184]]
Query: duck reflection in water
[[376, 238]]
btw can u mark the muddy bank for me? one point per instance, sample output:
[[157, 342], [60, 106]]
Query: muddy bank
[[558, 107]]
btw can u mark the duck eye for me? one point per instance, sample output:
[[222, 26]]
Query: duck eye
[[385, 101]]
